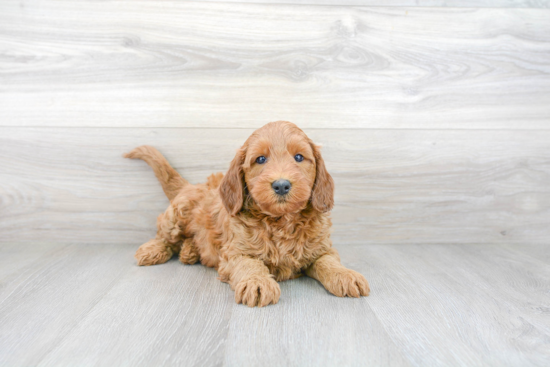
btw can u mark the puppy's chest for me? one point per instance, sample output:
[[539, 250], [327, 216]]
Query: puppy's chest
[[285, 251]]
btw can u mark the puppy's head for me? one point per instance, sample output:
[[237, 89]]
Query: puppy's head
[[281, 170]]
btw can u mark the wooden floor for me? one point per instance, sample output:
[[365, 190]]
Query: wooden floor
[[469, 305]]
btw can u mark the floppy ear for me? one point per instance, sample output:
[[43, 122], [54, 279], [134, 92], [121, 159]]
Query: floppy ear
[[322, 195], [232, 185]]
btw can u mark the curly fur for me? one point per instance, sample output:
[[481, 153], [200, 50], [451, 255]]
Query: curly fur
[[238, 225]]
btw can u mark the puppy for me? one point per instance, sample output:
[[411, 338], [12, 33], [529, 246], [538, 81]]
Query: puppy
[[265, 221]]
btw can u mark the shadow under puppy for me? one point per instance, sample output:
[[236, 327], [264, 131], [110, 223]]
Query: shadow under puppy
[[265, 221]]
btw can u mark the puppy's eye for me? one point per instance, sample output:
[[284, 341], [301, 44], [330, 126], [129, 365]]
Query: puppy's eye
[[299, 157], [261, 160]]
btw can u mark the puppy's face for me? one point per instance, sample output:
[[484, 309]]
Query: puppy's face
[[281, 169]]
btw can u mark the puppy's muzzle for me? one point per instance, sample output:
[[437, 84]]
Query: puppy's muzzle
[[281, 187]]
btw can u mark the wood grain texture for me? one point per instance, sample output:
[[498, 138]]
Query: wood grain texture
[[194, 64], [506, 274], [171, 315], [410, 3], [17, 256], [392, 186], [538, 251], [456, 295], [45, 300], [476, 305], [309, 319]]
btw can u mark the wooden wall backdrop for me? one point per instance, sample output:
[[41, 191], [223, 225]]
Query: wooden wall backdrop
[[422, 3], [435, 121]]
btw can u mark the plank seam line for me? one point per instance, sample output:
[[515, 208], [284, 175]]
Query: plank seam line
[[82, 317], [254, 128], [359, 6]]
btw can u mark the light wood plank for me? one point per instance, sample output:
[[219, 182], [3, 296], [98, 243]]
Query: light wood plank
[[505, 275], [193, 64], [309, 327], [40, 306], [17, 257], [391, 186], [166, 315], [437, 306], [410, 3], [539, 251]]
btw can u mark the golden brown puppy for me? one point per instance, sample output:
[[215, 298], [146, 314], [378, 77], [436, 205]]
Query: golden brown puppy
[[265, 221]]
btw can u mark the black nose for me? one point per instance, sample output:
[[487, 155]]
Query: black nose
[[281, 187]]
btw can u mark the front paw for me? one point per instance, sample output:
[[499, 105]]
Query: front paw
[[257, 291], [152, 253], [347, 282]]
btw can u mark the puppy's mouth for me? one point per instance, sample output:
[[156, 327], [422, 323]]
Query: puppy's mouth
[[268, 201]]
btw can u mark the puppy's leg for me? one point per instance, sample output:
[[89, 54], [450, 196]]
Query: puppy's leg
[[251, 281], [337, 279], [189, 253], [166, 243], [155, 251]]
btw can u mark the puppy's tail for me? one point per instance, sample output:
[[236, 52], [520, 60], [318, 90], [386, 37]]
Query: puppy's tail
[[169, 178]]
